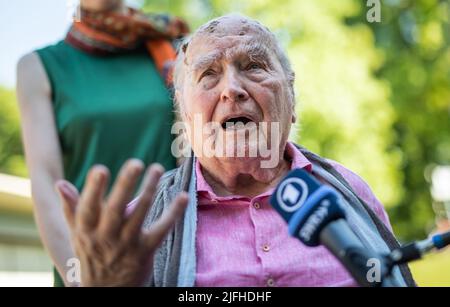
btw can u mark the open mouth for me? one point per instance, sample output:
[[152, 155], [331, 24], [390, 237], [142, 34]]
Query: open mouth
[[231, 122]]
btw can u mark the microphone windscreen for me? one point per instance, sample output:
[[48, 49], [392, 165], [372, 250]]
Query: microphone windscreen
[[292, 192], [306, 205], [441, 240]]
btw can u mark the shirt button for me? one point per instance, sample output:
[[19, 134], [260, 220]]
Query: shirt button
[[266, 247], [270, 282], [256, 205]]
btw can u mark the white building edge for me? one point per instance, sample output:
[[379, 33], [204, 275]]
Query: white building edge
[[23, 261]]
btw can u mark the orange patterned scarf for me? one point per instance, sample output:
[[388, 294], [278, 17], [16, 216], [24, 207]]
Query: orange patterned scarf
[[110, 32]]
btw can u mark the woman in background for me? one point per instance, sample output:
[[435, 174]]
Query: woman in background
[[98, 97]]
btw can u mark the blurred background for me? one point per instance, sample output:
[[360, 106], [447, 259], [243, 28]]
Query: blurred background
[[373, 96]]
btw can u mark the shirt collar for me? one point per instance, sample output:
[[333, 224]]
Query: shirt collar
[[292, 153]]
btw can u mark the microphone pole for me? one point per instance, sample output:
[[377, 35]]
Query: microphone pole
[[416, 250]]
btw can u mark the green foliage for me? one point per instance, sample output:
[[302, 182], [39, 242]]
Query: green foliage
[[11, 155], [415, 38]]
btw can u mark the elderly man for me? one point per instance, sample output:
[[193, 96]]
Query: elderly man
[[210, 223]]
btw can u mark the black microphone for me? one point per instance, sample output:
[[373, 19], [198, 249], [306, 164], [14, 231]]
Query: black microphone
[[315, 216]]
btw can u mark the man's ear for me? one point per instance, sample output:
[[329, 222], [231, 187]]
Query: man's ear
[[294, 115], [291, 84], [292, 79]]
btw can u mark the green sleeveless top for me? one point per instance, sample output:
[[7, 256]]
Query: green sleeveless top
[[108, 109]]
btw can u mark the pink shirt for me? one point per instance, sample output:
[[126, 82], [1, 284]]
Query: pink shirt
[[242, 241]]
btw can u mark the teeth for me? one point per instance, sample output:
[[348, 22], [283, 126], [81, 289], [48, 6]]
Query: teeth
[[233, 121]]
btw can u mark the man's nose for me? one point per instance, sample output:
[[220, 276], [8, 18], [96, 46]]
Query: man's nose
[[233, 88]]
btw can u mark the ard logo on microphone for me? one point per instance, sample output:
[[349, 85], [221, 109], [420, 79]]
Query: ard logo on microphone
[[306, 205], [291, 194]]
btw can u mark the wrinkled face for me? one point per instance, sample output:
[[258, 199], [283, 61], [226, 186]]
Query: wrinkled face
[[231, 75], [100, 5]]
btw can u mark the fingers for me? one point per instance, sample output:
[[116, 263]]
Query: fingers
[[120, 195], [69, 197], [164, 224], [91, 200], [145, 200]]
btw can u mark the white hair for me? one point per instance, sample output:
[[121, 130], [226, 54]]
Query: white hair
[[270, 40]]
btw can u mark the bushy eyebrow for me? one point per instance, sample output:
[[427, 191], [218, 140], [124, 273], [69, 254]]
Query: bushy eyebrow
[[206, 61], [254, 51]]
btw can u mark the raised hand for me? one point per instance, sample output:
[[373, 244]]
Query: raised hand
[[112, 248]]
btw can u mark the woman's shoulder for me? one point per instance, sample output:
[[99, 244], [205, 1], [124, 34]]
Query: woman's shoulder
[[34, 61], [52, 48], [28, 60], [31, 74], [57, 54]]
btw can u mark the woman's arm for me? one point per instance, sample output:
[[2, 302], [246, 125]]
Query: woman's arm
[[43, 157]]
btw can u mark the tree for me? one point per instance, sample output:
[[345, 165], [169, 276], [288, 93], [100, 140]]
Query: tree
[[415, 38]]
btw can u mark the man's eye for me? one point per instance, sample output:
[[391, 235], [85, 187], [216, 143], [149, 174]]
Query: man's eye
[[208, 72], [254, 65]]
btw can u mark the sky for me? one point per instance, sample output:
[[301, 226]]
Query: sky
[[26, 25]]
